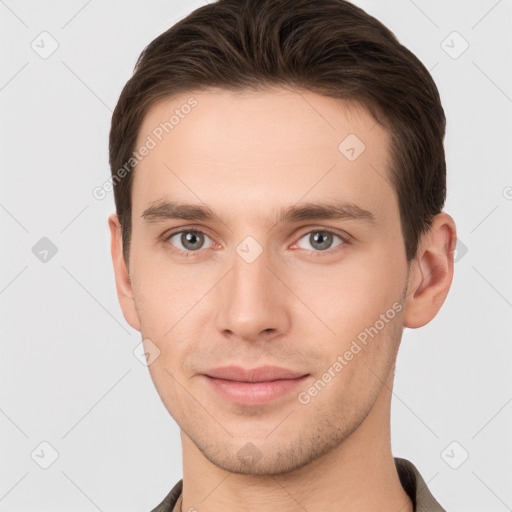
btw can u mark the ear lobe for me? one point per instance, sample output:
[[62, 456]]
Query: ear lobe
[[121, 272], [431, 272]]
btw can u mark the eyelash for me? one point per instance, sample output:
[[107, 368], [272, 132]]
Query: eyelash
[[345, 240]]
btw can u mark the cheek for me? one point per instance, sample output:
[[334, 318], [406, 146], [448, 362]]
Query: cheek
[[360, 300], [351, 296], [163, 293], [360, 365], [169, 301]]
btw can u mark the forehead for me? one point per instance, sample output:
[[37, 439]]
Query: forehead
[[260, 148], [257, 116]]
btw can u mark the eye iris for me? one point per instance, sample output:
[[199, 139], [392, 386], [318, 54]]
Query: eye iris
[[192, 240], [324, 239]]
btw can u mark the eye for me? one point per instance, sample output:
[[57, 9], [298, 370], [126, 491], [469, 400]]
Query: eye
[[320, 239], [189, 240]]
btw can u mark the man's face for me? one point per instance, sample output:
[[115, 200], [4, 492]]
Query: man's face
[[254, 290]]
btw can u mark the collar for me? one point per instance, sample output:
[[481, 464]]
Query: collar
[[416, 488], [410, 478]]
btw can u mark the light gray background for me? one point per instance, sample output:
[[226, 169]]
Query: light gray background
[[68, 373]]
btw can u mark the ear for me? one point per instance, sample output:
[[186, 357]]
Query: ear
[[123, 283], [431, 272]]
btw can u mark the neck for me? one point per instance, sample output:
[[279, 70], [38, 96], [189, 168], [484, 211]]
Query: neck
[[359, 474]]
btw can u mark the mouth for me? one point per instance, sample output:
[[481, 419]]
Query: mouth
[[256, 386]]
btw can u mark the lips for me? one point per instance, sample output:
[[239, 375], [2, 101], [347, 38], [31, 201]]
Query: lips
[[253, 387], [261, 374]]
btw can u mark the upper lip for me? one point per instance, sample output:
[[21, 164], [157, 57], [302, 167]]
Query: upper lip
[[261, 374]]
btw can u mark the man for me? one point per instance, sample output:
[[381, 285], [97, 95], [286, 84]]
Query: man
[[279, 178]]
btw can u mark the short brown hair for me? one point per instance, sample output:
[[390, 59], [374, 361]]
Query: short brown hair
[[328, 47]]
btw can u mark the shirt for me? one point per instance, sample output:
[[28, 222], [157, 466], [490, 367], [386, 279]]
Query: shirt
[[410, 478]]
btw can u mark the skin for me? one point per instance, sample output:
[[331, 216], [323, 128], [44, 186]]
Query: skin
[[297, 305]]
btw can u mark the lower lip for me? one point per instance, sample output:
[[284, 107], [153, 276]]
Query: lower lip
[[254, 393]]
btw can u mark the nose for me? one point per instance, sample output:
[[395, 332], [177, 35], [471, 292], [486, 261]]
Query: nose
[[252, 302]]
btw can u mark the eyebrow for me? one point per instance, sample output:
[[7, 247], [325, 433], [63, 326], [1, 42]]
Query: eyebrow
[[166, 210]]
